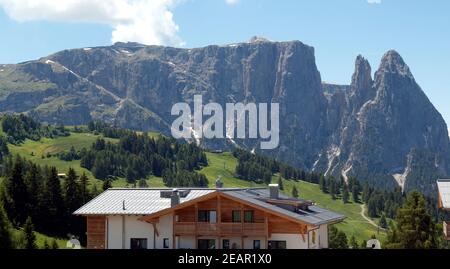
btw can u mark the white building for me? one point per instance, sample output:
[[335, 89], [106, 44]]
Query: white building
[[221, 218]]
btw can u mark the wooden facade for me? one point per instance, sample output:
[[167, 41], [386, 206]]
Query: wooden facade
[[263, 223], [96, 232]]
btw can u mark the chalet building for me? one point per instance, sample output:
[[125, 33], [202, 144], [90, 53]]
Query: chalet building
[[444, 202], [220, 218]]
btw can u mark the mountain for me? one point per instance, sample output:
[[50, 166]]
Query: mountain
[[382, 129]]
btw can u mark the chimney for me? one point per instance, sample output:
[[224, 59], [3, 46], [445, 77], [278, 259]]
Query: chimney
[[219, 183], [175, 198], [274, 191]]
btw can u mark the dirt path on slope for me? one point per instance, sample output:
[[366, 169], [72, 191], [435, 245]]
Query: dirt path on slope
[[363, 211]]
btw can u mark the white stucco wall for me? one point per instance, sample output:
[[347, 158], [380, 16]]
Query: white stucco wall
[[293, 241], [134, 228], [165, 229], [114, 232]]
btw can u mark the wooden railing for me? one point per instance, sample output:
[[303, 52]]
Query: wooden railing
[[215, 229]]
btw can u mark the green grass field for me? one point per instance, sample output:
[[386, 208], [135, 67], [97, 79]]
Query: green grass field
[[220, 165]]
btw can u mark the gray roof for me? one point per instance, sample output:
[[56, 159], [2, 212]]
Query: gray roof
[[314, 215], [137, 202], [148, 201], [444, 192]]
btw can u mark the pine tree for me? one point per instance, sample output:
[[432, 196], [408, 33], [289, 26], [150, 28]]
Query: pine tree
[[30, 237], [332, 188], [337, 239], [46, 245], [33, 180], [5, 231], [353, 243], [345, 194], [142, 183], [295, 192], [54, 244], [72, 196], [415, 228], [366, 193], [355, 193], [323, 183], [280, 183], [372, 208], [52, 203], [84, 189], [107, 185], [383, 223], [15, 194]]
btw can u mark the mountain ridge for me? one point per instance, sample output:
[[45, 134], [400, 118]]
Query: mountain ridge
[[378, 129]]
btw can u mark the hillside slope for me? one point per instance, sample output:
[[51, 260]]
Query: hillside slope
[[220, 165]]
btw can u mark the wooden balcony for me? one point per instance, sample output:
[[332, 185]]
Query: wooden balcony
[[447, 230], [216, 229]]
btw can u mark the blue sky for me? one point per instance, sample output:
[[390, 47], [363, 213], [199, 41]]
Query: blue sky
[[338, 29]]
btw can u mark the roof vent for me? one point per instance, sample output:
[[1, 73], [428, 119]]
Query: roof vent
[[123, 205], [274, 191]]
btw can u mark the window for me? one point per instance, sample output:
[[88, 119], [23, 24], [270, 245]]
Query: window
[[226, 244], [206, 244], [138, 243], [249, 216], [236, 215], [277, 245], [256, 244], [166, 243], [202, 216], [213, 216], [207, 216]]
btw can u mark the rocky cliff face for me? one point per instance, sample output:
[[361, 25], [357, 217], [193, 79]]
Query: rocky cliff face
[[380, 129]]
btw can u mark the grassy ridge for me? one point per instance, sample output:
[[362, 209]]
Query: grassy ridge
[[220, 165]]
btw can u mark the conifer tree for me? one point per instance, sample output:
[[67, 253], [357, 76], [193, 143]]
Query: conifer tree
[[54, 244], [354, 243], [345, 194], [295, 192], [355, 193], [84, 189], [107, 185], [383, 223], [72, 197], [15, 194], [29, 236], [415, 228], [52, 203], [5, 231]]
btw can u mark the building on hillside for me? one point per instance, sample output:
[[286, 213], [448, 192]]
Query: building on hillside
[[444, 202], [221, 218]]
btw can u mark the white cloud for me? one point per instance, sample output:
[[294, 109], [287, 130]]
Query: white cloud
[[374, 2], [232, 2], [144, 21]]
